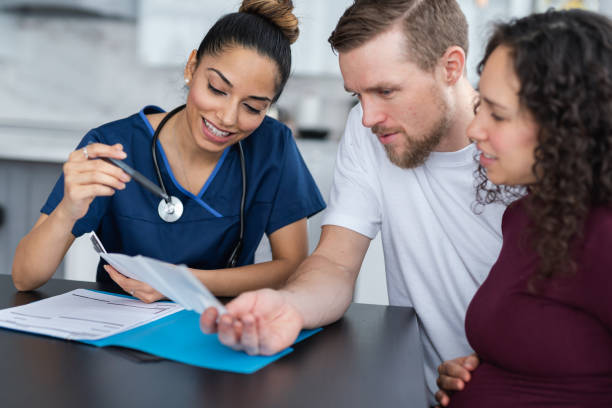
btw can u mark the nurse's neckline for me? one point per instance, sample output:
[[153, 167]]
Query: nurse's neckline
[[169, 135], [191, 173]]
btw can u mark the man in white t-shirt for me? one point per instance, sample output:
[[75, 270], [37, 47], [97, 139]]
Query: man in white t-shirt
[[405, 169]]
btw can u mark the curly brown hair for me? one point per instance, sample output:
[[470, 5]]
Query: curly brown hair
[[563, 60]]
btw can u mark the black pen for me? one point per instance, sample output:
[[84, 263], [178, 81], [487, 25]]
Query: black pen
[[145, 182]]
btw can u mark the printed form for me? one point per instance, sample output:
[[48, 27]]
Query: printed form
[[84, 315]]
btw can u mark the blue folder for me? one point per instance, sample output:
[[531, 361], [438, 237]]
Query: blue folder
[[178, 337]]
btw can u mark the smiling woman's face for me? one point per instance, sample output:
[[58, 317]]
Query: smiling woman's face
[[229, 95], [505, 133]]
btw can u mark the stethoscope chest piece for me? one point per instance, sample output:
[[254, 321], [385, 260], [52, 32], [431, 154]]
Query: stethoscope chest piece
[[171, 211]]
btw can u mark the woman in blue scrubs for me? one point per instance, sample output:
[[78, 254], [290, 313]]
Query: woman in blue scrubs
[[238, 71]]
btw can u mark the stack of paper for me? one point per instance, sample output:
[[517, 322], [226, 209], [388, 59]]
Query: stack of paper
[[163, 329], [175, 282], [84, 315]]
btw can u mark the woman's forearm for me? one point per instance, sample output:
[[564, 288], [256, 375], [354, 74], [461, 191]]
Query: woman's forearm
[[233, 281], [40, 252]]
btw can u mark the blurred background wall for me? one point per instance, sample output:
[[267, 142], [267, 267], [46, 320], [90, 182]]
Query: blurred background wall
[[69, 65]]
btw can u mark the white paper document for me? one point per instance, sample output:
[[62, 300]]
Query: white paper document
[[175, 282], [84, 315]]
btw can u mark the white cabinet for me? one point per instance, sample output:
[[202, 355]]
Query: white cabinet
[[24, 187], [480, 20], [311, 52], [120, 8], [169, 30]]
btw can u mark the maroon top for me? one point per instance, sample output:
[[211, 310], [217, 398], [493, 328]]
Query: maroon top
[[550, 349]]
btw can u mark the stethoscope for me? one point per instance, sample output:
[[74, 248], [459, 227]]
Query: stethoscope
[[170, 208]]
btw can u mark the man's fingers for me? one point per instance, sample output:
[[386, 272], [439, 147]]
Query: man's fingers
[[249, 338], [208, 320], [227, 335], [242, 304]]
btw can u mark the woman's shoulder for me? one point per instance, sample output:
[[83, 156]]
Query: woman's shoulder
[[273, 126], [123, 130], [272, 135], [515, 215]]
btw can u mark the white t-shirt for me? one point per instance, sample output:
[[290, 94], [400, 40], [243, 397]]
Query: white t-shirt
[[437, 249]]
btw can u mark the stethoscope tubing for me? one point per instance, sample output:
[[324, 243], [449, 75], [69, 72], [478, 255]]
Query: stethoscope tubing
[[175, 203], [154, 148]]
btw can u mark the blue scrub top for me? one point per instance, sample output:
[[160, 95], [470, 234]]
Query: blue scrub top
[[280, 191]]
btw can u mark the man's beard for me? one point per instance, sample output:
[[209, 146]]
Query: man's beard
[[415, 152]]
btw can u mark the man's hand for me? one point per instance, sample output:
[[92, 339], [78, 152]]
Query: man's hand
[[259, 322], [452, 376]]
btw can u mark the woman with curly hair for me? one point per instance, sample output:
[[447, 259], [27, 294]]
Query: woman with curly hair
[[541, 324]]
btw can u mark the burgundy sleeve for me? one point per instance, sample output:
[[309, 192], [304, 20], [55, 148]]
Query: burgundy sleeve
[[598, 257]]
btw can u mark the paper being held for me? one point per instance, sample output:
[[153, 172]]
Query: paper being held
[[175, 282]]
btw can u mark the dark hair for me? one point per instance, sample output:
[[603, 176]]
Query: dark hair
[[266, 26], [563, 60], [430, 27]]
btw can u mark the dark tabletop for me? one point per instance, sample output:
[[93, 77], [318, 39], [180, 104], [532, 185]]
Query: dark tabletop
[[370, 358]]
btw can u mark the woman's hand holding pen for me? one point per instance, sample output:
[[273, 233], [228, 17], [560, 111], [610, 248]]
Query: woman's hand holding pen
[[85, 179]]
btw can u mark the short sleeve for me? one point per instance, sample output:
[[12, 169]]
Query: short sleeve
[[353, 201], [98, 206], [297, 195]]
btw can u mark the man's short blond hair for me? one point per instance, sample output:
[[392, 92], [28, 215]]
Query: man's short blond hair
[[430, 27]]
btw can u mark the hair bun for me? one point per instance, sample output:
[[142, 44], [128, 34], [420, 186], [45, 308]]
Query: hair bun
[[278, 12]]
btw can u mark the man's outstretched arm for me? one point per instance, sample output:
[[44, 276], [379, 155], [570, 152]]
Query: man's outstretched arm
[[318, 293]]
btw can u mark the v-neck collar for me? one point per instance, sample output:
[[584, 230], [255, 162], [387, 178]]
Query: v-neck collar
[[198, 197]]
